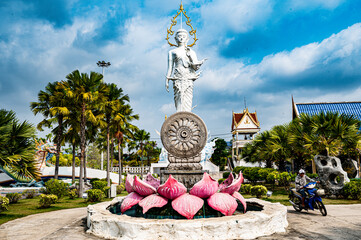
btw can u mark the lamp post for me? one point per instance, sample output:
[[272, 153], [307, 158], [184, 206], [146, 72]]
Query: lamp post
[[103, 65]]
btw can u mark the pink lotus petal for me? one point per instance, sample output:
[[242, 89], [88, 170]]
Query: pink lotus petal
[[235, 186], [152, 201], [142, 188], [172, 189], [238, 196], [152, 181], [129, 183], [226, 182], [223, 202], [129, 201], [205, 187], [187, 205]]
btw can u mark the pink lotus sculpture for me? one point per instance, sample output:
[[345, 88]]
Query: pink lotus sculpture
[[149, 194]]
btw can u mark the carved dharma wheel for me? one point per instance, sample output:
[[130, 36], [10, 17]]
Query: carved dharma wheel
[[184, 134]]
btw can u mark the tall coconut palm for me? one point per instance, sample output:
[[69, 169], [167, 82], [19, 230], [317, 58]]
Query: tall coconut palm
[[17, 146], [114, 99], [53, 105], [141, 137], [85, 92], [279, 145]]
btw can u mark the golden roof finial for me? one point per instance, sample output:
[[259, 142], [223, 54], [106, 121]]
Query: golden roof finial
[[188, 22]]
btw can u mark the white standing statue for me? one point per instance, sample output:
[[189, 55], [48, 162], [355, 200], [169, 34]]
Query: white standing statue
[[183, 63]]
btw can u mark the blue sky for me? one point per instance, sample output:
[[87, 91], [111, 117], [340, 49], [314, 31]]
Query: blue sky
[[264, 51]]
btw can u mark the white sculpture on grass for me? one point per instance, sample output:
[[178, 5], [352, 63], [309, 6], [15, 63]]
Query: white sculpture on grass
[[183, 63]]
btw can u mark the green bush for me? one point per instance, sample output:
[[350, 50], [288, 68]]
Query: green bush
[[101, 185], [120, 188], [246, 188], [93, 180], [312, 175], [56, 187], [272, 177], [258, 191], [72, 193], [352, 190], [226, 175], [284, 179], [239, 169], [355, 179], [95, 195], [221, 180], [13, 197], [30, 193], [252, 174], [4, 203], [46, 200], [293, 177]]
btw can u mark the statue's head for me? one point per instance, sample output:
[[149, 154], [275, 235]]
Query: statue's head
[[181, 36]]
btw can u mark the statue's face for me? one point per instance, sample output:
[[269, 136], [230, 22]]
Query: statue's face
[[181, 37]]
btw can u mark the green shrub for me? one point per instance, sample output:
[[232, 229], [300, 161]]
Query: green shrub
[[293, 177], [272, 177], [221, 180], [258, 191], [13, 197], [252, 174], [246, 188], [226, 175], [72, 193], [355, 179], [56, 187], [101, 185], [312, 175], [93, 180], [284, 179], [95, 195], [30, 193], [352, 190], [4, 203], [46, 200], [120, 188], [239, 169]]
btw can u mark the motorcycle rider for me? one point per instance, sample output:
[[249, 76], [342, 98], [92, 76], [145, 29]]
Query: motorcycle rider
[[300, 181]]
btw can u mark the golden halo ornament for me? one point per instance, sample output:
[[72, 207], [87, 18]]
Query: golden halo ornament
[[188, 22]]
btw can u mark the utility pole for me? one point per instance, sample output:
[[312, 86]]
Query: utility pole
[[103, 65]]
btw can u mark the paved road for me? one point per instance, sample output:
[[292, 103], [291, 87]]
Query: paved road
[[342, 222]]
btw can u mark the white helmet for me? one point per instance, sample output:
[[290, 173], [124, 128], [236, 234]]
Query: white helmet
[[301, 171]]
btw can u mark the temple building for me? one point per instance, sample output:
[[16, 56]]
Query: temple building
[[244, 127], [348, 108]]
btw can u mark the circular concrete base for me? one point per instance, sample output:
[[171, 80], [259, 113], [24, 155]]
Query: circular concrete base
[[252, 224]]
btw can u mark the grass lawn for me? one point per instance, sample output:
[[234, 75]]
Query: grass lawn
[[281, 195], [27, 207]]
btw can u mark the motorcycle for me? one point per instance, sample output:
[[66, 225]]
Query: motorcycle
[[313, 200]]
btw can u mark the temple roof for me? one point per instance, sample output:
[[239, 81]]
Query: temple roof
[[238, 118], [348, 108]]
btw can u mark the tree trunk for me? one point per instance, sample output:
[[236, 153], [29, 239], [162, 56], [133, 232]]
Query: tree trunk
[[108, 155], [120, 166], [82, 149], [58, 145], [141, 159], [111, 155], [85, 163], [73, 166]]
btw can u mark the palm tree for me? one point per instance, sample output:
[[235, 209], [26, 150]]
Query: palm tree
[[279, 145], [141, 137], [52, 105], [17, 147], [85, 92]]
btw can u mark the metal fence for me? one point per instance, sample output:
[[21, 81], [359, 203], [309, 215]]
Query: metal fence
[[132, 170]]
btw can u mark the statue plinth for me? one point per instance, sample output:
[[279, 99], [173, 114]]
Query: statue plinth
[[184, 135]]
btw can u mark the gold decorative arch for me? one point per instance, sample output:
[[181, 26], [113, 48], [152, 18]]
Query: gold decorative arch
[[188, 22]]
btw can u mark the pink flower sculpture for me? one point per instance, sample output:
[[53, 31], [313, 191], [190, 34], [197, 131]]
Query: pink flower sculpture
[[226, 182], [223, 202], [143, 188], [129, 183], [205, 187], [152, 181], [129, 201], [235, 186], [187, 205], [172, 189], [238, 196], [152, 201]]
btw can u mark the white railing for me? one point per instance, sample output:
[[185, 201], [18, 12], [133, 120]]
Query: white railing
[[132, 170]]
